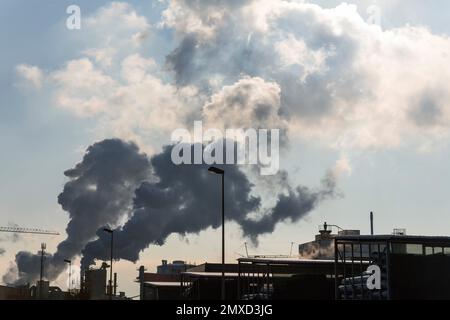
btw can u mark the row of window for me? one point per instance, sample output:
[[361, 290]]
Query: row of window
[[418, 249], [396, 248]]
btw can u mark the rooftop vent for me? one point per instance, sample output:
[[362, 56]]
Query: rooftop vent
[[399, 232]]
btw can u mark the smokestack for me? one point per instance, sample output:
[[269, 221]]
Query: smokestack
[[82, 275], [371, 223], [115, 283]]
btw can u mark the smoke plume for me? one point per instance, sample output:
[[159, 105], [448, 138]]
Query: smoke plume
[[99, 192], [113, 182], [186, 199]]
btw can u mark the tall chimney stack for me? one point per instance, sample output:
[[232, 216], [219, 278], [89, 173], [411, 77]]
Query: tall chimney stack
[[115, 283], [371, 223]]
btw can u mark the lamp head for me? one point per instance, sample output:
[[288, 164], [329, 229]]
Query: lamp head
[[216, 170]]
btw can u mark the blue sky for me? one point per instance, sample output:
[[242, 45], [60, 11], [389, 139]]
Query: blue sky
[[403, 182]]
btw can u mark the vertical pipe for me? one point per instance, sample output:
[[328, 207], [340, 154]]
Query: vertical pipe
[[115, 283], [336, 284], [70, 274], [371, 223], [239, 281], [223, 236], [42, 271], [111, 266]]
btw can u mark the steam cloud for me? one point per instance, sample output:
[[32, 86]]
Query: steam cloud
[[184, 199], [175, 199], [100, 192]]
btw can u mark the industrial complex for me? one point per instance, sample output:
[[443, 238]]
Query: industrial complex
[[344, 265]]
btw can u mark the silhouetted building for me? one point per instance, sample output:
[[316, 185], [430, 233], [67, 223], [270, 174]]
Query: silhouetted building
[[14, 293], [155, 286], [322, 247], [94, 285], [286, 279], [411, 267], [176, 267], [48, 292]]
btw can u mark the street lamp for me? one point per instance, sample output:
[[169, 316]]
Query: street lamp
[[222, 173], [111, 232], [41, 278], [69, 262]]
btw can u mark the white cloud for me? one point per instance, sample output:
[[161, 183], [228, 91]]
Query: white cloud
[[103, 56], [324, 74], [31, 74], [249, 103], [135, 68], [342, 81], [118, 15], [82, 88], [117, 25], [293, 51], [137, 105]]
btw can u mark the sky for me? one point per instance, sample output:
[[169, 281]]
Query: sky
[[360, 89]]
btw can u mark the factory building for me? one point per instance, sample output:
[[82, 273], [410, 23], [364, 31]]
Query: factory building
[[165, 284], [15, 293], [322, 247], [410, 267], [272, 278], [204, 282], [175, 267], [94, 285], [48, 292]]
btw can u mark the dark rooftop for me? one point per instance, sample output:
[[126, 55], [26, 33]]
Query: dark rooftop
[[432, 240]]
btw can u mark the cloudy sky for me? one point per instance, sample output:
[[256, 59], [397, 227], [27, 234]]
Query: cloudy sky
[[360, 89]]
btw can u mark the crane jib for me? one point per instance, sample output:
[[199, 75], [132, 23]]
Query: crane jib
[[28, 230]]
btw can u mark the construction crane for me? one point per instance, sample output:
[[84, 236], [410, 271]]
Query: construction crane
[[28, 230]]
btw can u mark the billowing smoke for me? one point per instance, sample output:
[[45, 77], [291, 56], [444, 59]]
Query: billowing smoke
[[292, 207], [186, 199], [11, 274], [113, 184], [100, 191], [2, 251]]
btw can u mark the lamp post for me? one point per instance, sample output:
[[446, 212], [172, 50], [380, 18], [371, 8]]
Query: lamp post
[[69, 262], [111, 232], [41, 278], [221, 173]]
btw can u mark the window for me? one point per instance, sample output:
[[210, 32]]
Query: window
[[407, 248]]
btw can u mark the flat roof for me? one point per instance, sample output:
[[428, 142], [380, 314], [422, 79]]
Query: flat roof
[[211, 274], [285, 260], [227, 274], [163, 284], [438, 240]]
